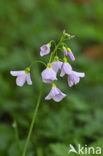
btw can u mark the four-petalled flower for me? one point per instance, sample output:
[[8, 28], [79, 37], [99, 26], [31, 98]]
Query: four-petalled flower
[[56, 65], [22, 77], [55, 94], [65, 69], [74, 78], [45, 49], [48, 75]]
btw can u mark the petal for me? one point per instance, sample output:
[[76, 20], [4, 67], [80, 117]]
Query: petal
[[42, 48], [42, 53], [58, 98], [62, 72], [70, 80], [78, 74], [52, 93], [47, 81], [17, 73], [56, 66], [76, 80], [67, 68], [48, 75], [55, 94], [28, 79], [48, 97], [20, 80]]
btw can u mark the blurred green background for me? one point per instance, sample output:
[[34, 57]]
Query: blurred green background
[[25, 25]]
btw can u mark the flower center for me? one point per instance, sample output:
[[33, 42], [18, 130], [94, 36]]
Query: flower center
[[45, 48]]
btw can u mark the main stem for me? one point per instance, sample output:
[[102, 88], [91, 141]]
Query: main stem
[[33, 121], [56, 47]]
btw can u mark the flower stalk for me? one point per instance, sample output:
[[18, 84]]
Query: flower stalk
[[33, 121]]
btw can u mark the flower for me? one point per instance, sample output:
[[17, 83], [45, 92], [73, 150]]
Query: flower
[[48, 75], [45, 49], [74, 78], [65, 69], [56, 65], [55, 94], [22, 77]]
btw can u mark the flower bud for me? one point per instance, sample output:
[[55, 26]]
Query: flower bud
[[70, 54]]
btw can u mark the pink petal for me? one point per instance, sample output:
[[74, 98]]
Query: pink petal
[[17, 73], [20, 80], [28, 79]]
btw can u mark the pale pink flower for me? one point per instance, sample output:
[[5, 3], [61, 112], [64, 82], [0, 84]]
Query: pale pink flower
[[74, 78], [55, 94], [22, 77]]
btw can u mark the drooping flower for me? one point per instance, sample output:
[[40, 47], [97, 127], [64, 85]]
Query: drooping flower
[[74, 78], [22, 77], [55, 94], [56, 65], [48, 75], [66, 68], [45, 49]]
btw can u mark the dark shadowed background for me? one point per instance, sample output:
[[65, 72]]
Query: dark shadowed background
[[25, 25]]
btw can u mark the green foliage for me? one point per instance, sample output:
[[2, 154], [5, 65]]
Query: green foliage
[[24, 27]]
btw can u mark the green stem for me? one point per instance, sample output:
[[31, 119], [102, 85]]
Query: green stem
[[56, 47], [37, 61], [33, 121], [17, 136]]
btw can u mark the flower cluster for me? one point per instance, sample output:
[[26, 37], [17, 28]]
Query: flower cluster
[[49, 74]]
